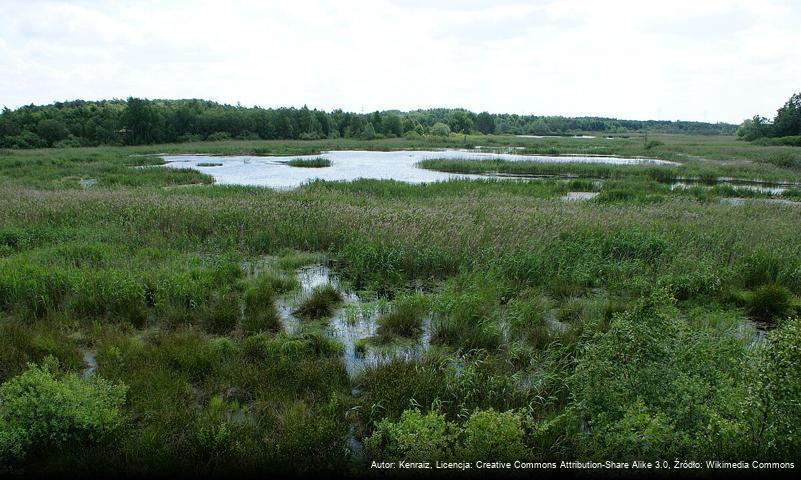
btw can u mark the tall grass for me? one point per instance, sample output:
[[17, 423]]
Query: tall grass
[[406, 318], [318, 162]]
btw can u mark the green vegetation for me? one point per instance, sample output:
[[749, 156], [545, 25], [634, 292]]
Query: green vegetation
[[406, 317], [138, 121], [260, 313], [440, 129], [485, 434], [785, 129], [42, 411], [653, 321], [320, 303], [309, 162]]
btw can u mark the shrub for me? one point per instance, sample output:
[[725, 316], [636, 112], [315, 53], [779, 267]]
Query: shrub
[[491, 434], [415, 437], [218, 136], [431, 437], [639, 433], [40, 410], [650, 385], [369, 132]]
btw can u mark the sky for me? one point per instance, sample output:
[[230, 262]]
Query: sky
[[704, 60]]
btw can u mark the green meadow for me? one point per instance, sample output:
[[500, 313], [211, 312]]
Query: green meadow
[[144, 311]]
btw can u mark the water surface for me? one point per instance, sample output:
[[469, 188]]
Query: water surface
[[346, 165], [354, 320]]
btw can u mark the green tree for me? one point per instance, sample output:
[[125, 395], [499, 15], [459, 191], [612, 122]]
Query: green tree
[[753, 128], [788, 118], [393, 125], [51, 131], [460, 122], [485, 123], [369, 132], [140, 119], [440, 130]]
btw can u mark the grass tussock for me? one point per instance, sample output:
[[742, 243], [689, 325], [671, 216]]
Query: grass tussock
[[320, 303], [406, 317], [318, 162]]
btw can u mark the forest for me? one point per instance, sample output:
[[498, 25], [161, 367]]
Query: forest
[[138, 121]]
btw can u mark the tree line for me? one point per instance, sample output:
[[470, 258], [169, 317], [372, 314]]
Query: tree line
[[137, 121], [785, 128]]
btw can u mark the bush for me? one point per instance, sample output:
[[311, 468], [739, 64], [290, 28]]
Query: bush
[[495, 435], [369, 132], [415, 437], [640, 433], [39, 410], [430, 437], [218, 136]]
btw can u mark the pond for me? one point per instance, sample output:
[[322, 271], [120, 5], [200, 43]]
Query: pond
[[353, 164]]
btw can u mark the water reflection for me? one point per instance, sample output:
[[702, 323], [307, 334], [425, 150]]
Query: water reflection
[[356, 319], [353, 164]]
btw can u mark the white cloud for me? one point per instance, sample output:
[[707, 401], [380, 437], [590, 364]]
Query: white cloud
[[688, 59]]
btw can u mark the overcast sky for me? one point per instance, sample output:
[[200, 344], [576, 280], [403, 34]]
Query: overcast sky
[[708, 60]]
